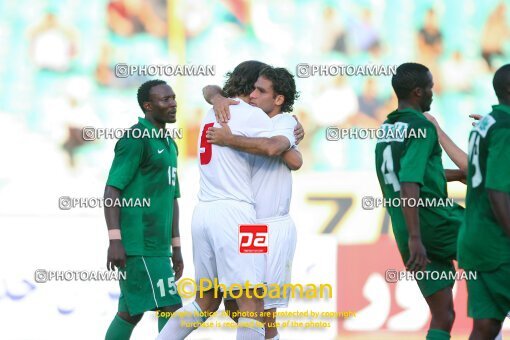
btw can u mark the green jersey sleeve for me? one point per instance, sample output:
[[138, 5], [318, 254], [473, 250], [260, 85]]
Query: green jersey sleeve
[[415, 156], [127, 160], [498, 161]]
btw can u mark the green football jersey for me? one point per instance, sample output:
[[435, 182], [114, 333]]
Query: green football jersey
[[146, 168], [414, 155], [483, 244]]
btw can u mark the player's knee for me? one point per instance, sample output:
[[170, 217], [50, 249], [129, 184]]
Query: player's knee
[[444, 318], [209, 304], [132, 319], [250, 304], [486, 328]]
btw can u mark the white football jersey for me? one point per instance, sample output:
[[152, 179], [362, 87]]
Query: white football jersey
[[226, 173], [272, 179]]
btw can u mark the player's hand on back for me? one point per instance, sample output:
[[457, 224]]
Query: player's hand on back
[[116, 255], [178, 262], [221, 107], [476, 118], [219, 136], [418, 259], [299, 132]]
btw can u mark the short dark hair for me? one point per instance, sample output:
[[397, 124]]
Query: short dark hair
[[143, 94], [408, 77], [501, 82], [240, 82], [283, 84]]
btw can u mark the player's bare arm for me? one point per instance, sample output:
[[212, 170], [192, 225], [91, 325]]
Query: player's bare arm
[[455, 153], [500, 203], [453, 175], [214, 96], [293, 159], [271, 147], [177, 261], [418, 255], [116, 252]]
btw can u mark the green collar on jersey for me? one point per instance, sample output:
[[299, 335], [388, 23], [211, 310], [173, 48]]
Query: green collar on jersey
[[150, 126], [146, 123], [407, 111], [501, 107]]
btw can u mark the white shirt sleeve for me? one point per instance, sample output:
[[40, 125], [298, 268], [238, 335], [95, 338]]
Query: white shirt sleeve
[[283, 125]]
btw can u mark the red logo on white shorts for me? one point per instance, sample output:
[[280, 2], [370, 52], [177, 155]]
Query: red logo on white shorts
[[253, 238]]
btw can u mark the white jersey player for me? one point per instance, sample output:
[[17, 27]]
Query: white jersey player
[[226, 201], [272, 181]]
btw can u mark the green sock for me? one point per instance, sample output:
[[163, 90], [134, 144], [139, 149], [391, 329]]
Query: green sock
[[119, 329], [162, 322], [437, 334]]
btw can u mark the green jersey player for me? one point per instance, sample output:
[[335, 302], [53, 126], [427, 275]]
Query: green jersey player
[[484, 238], [140, 237], [411, 168]]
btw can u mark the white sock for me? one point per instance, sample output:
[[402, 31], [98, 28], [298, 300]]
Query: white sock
[[247, 329], [175, 328]]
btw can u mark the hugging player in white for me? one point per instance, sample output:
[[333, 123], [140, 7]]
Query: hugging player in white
[[271, 182], [225, 201]]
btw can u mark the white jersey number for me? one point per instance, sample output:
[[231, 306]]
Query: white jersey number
[[474, 148], [387, 169]]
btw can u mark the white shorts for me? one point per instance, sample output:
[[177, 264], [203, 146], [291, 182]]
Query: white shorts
[[215, 236], [280, 253]]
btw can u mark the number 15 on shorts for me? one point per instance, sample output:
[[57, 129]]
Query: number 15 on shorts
[[253, 238]]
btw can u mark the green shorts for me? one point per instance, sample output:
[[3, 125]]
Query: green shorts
[[149, 285], [489, 294], [444, 267], [446, 274], [440, 242]]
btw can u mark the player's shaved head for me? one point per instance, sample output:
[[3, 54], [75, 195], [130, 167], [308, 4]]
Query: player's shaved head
[[409, 76], [144, 91], [240, 81], [501, 83], [283, 84]]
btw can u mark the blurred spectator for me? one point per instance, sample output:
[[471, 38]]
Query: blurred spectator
[[335, 103], [458, 73], [198, 17], [52, 45], [495, 33], [364, 34], [430, 39], [334, 37], [105, 72], [129, 17], [78, 114], [430, 47], [369, 103]]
